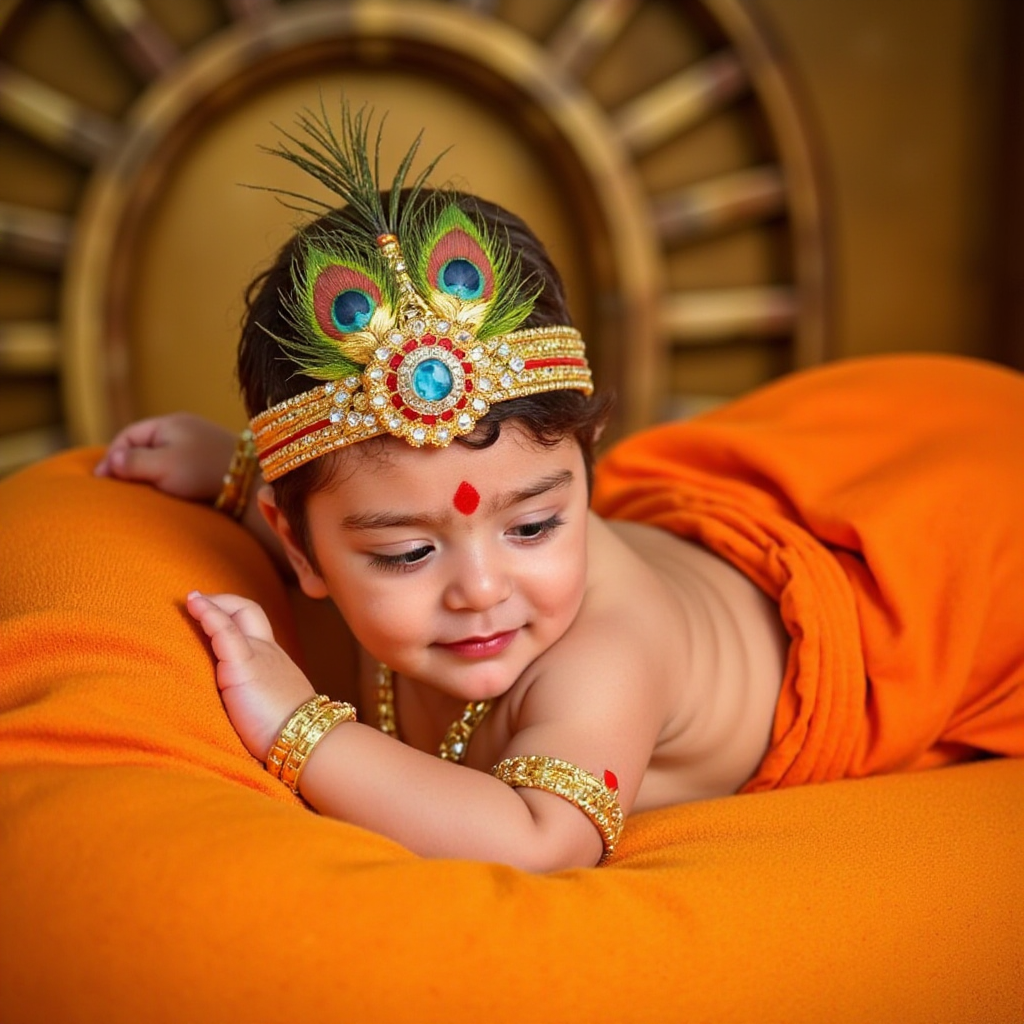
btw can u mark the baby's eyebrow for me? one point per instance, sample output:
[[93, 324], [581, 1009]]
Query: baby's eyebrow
[[551, 482], [385, 520]]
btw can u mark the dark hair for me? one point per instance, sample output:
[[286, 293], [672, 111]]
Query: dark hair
[[267, 375]]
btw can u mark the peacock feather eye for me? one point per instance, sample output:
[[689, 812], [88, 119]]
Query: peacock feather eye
[[344, 300], [352, 310], [462, 278]]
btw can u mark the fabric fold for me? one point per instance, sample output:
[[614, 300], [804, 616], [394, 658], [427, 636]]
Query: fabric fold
[[880, 503]]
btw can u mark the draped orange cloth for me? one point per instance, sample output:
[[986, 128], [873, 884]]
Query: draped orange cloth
[[151, 870], [881, 503]]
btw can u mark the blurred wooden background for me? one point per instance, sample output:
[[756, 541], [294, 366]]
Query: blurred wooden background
[[733, 188]]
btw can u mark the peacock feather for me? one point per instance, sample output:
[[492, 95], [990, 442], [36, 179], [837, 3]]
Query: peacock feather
[[348, 295]]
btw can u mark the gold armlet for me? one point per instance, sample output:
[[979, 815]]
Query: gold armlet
[[234, 492], [308, 725], [597, 800]]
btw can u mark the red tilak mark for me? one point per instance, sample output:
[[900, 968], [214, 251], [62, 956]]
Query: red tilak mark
[[466, 499], [610, 780]]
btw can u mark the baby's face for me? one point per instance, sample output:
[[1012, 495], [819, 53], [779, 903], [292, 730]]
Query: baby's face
[[456, 566]]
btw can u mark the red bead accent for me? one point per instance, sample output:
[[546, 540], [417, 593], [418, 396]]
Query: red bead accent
[[429, 420], [392, 382], [447, 415], [396, 401], [461, 403], [396, 362], [428, 339], [468, 367], [458, 353], [410, 414], [467, 385], [446, 343], [610, 780], [410, 345]]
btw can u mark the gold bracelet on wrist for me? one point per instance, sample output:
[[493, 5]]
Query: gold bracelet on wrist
[[234, 493], [596, 799], [308, 724]]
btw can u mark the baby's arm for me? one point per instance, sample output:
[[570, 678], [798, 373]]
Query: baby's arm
[[186, 456], [359, 775]]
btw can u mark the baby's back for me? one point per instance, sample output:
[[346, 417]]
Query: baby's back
[[724, 649]]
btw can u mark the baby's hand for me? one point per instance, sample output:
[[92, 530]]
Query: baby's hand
[[259, 684], [180, 454]]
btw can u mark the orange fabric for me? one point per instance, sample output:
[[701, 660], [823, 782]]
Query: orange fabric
[[881, 503], [151, 870]]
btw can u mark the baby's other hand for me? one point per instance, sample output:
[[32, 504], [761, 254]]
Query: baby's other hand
[[180, 454], [259, 684]]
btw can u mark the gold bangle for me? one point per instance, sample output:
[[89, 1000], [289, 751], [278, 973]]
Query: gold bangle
[[598, 801], [301, 719], [330, 715], [234, 493]]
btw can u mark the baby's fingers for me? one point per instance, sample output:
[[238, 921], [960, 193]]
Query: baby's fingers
[[230, 643], [247, 615]]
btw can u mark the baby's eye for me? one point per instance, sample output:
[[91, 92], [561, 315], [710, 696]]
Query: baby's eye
[[534, 531], [396, 563]]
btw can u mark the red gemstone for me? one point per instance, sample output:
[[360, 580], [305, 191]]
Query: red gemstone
[[458, 353], [396, 362], [410, 414], [461, 403], [429, 420], [410, 345], [428, 339], [396, 401], [392, 382], [446, 343], [610, 780], [447, 415], [467, 385]]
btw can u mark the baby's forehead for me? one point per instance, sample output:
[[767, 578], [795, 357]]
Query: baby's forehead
[[386, 454]]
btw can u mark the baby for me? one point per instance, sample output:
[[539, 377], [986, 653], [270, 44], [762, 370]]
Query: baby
[[424, 420], [818, 581]]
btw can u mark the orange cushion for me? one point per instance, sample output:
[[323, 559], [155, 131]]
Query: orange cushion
[[154, 872]]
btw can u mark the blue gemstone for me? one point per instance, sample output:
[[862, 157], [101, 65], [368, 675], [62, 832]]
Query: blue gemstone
[[432, 380]]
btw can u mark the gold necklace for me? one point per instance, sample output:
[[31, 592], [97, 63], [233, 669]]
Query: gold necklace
[[456, 740]]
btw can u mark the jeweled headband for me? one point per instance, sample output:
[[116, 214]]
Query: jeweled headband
[[410, 315]]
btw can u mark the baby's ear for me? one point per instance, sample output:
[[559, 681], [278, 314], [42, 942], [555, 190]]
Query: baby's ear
[[309, 578]]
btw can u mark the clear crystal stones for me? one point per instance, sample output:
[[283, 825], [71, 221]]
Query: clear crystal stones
[[479, 405], [517, 363], [476, 354], [418, 326], [351, 383], [378, 401], [503, 350], [442, 325], [376, 373], [419, 435], [443, 434], [506, 381], [465, 421], [369, 420], [394, 423], [485, 383], [463, 336], [329, 388], [354, 419], [336, 417]]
